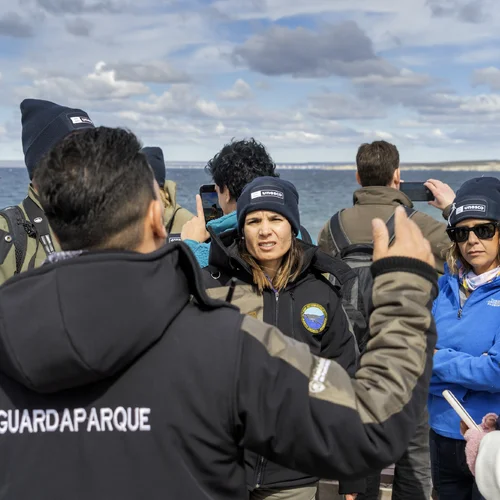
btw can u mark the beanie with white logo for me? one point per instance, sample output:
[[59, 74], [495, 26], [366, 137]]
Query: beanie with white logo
[[44, 124], [477, 198], [272, 194]]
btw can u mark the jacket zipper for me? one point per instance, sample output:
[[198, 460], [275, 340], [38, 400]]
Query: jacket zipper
[[261, 460]]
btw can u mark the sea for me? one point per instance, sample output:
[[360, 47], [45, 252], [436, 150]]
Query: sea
[[322, 192]]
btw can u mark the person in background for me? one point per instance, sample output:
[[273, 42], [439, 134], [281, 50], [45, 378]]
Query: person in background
[[281, 281], [175, 216], [466, 311], [120, 378], [26, 238], [379, 175], [231, 169]]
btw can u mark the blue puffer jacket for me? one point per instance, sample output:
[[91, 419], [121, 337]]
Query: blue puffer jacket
[[221, 225], [468, 358]]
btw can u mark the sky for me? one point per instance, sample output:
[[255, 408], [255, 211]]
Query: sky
[[312, 80]]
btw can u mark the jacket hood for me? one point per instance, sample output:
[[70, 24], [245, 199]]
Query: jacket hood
[[171, 188], [225, 257], [82, 320], [381, 195]]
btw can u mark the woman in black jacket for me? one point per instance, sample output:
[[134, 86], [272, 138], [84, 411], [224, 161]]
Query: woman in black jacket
[[282, 281]]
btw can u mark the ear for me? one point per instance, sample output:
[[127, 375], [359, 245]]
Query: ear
[[226, 194], [358, 179], [396, 179], [156, 220]]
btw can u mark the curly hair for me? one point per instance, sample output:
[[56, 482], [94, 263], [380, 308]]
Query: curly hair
[[239, 163]]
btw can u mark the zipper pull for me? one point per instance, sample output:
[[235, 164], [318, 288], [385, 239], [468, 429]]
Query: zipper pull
[[459, 315]]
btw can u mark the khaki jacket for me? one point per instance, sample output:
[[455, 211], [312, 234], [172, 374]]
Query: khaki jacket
[[175, 215], [7, 249], [381, 201]]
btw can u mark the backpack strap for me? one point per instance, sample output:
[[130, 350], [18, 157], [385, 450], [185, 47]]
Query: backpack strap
[[40, 224], [339, 236], [170, 224], [305, 236], [18, 232], [410, 212]]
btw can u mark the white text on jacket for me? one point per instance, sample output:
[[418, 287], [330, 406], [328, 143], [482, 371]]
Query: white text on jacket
[[75, 420]]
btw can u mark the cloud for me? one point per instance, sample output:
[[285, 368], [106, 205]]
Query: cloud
[[78, 6], [342, 49], [469, 11], [336, 106], [153, 72], [79, 27], [240, 91], [487, 76], [13, 25], [96, 86], [405, 78]]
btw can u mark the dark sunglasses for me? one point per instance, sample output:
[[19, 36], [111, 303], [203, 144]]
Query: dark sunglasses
[[482, 231]]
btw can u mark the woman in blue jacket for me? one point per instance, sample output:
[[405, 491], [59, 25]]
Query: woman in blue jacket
[[467, 315]]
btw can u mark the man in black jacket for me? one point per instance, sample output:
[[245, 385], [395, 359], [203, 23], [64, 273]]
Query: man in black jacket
[[120, 378]]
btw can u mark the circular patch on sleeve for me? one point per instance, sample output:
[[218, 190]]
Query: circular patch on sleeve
[[314, 317]]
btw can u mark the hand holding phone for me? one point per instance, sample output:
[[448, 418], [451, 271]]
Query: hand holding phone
[[416, 191], [460, 410], [210, 201]]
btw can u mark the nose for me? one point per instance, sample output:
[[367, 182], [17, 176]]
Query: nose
[[265, 228], [473, 238]]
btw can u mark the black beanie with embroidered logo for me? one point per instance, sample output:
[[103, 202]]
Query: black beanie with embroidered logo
[[273, 194], [44, 124], [477, 198]]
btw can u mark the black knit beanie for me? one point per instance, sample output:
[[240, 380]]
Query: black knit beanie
[[44, 124], [477, 198], [156, 161], [273, 194]]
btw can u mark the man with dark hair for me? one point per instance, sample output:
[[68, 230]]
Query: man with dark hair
[[379, 176], [348, 234], [237, 164], [26, 238], [120, 378]]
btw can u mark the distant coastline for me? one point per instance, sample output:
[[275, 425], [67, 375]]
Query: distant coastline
[[451, 166]]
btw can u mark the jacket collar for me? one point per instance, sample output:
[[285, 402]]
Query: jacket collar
[[34, 196], [381, 195]]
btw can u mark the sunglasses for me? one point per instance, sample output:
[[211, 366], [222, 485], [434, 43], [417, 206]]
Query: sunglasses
[[482, 231]]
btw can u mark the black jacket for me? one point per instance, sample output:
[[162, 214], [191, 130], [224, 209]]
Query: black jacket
[[309, 310], [120, 378]]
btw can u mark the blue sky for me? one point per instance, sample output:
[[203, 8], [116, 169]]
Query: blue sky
[[311, 80]]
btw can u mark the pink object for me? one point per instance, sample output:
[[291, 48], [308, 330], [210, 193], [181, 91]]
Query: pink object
[[473, 438]]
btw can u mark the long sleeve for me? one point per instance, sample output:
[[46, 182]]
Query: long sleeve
[[477, 373]]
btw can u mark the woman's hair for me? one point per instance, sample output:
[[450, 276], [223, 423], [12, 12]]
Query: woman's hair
[[289, 269], [455, 260], [165, 197]]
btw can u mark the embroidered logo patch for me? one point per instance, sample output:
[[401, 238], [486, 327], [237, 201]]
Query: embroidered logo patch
[[494, 303], [471, 208], [314, 317], [267, 193]]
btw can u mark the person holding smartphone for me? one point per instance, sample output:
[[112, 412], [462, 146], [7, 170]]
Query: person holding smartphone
[[466, 311], [231, 169], [280, 279]]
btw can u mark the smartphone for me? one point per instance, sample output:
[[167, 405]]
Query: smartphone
[[416, 191], [210, 202], [461, 411]]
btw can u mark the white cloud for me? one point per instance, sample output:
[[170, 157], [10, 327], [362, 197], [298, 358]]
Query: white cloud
[[487, 76], [240, 91], [98, 85]]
